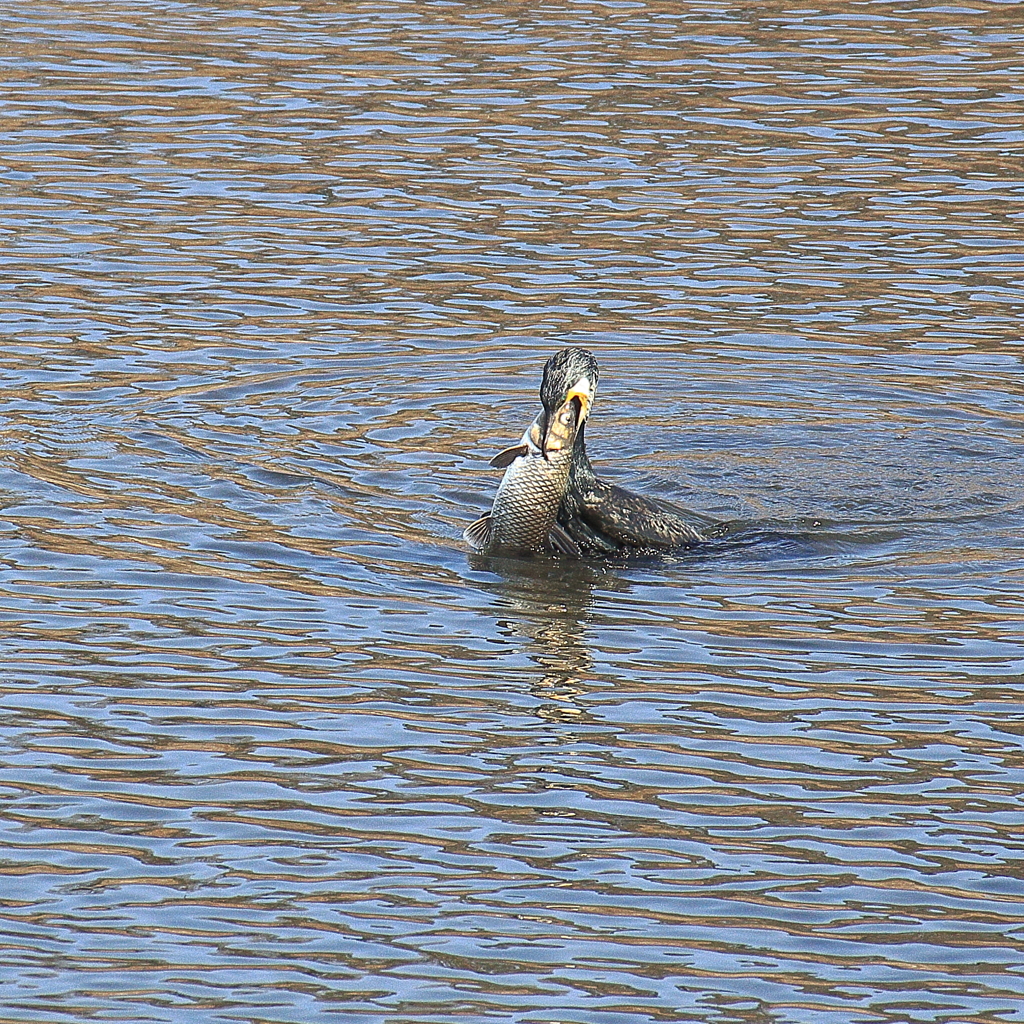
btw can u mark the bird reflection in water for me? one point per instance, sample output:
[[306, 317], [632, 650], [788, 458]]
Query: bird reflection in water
[[548, 602]]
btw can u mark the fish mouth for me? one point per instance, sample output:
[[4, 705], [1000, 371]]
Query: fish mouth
[[560, 426]]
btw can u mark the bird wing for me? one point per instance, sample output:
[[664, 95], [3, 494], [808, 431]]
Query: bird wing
[[633, 521]]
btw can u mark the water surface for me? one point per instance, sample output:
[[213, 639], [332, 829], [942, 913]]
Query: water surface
[[278, 281]]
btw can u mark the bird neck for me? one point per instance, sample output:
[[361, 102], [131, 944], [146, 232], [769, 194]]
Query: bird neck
[[580, 468]]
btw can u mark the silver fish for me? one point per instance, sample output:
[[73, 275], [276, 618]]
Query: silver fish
[[522, 518]]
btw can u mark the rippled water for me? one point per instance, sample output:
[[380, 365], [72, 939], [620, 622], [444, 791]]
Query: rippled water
[[278, 281]]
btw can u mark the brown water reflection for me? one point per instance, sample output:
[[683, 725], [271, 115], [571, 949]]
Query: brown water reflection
[[278, 281]]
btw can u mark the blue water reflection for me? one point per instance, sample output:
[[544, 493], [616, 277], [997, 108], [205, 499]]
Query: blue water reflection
[[278, 283]]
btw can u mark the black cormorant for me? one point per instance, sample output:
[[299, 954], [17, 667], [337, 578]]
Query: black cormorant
[[602, 518]]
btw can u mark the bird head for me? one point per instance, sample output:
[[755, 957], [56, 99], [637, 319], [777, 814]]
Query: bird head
[[569, 375], [567, 394]]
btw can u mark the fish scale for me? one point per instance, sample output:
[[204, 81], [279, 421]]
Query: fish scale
[[527, 501], [522, 518]]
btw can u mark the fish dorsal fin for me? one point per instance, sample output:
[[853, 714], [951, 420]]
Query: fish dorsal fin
[[504, 459], [478, 535], [561, 542]]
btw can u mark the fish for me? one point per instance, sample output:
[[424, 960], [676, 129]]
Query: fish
[[522, 518]]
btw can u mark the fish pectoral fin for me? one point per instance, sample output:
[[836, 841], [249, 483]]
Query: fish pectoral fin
[[505, 459], [560, 541], [478, 534]]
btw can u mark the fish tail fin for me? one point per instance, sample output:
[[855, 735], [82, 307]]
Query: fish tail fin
[[478, 534]]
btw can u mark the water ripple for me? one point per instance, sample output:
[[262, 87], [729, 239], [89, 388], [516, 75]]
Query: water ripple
[[278, 283]]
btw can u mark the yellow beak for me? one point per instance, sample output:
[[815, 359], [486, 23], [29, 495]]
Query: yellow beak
[[583, 391]]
